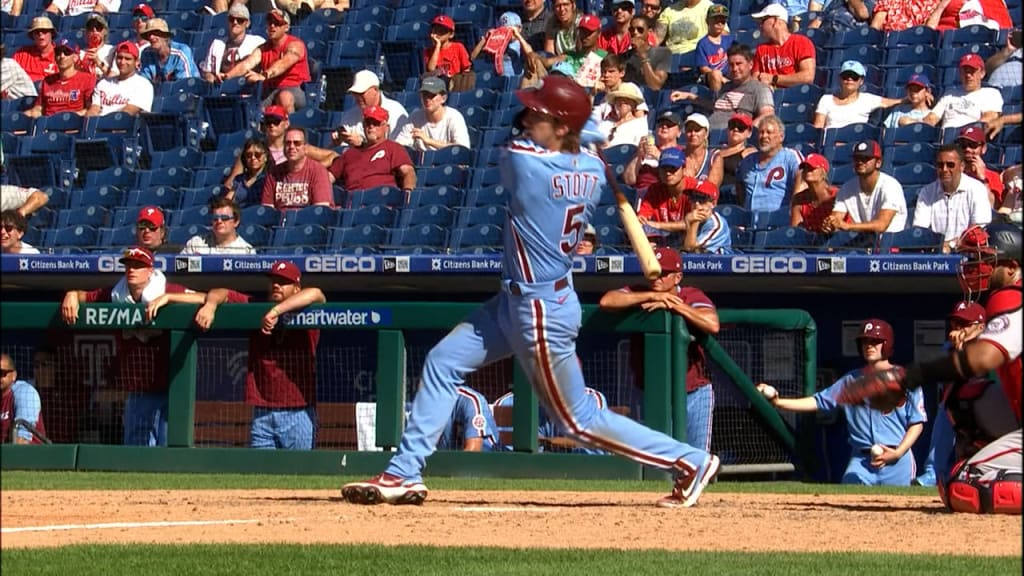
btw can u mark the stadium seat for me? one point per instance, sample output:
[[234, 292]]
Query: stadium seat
[[611, 236], [227, 115], [193, 215], [480, 97], [366, 235], [445, 195], [163, 196], [789, 237], [606, 215], [308, 235], [847, 241], [907, 153], [736, 216], [181, 156], [950, 57], [484, 235], [493, 215], [917, 132], [741, 239], [910, 194], [35, 171], [197, 196], [974, 34], [318, 215], [95, 216], [18, 123], [376, 14], [801, 112], [808, 93], [485, 196], [377, 214], [476, 116], [491, 138], [66, 122], [118, 177], [171, 176], [1011, 156], [79, 235], [429, 214], [917, 173], [239, 86], [488, 157], [619, 155], [97, 154], [911, 55], [308, 118], [842, 172], [850, 134], [804, 133], [911, 36], [261, 215], [859, 36], [769, 219], [448, 156], [194, 86], [116, 123], [118, 237], [443, 176], [382, 195], [485, 177], [179, 235], [42, 218], [105, 196], [255, 234], [911, 240], [53, 143], [863, 54], [420, 235], [490, 80]]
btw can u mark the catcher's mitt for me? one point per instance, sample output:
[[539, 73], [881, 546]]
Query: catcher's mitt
[[882, 388]]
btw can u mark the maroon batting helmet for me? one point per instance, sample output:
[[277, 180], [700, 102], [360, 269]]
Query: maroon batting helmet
[[560, 97], [878, 330]]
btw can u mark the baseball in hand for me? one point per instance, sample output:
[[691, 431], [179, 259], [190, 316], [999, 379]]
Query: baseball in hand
[[877, 451], [769, 392]]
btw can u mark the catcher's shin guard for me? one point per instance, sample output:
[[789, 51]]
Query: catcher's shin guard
[[964, 493]]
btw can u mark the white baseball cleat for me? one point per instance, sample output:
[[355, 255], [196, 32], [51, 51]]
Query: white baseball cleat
[[688, 487], [385, 489]]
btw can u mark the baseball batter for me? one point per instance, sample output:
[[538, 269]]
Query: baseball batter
[[891, 433], [990, 479], [471, 427], [553, 187]]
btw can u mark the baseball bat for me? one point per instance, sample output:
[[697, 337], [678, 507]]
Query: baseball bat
[[649, 264]]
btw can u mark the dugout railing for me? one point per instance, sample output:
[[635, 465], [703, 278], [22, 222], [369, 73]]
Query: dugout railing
[[664, 406]]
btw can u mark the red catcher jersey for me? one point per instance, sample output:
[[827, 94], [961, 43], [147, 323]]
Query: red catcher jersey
[[1004, 332]]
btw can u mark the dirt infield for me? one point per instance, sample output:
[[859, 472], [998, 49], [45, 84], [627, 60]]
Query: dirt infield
[[742, 522]]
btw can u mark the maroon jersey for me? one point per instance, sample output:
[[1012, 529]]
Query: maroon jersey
[[8, 414], [697, 372], [306, 186], [282, 365], [141, 363], [370, 167]]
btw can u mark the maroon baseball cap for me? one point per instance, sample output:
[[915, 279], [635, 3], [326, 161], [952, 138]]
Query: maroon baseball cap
[[443, 21], [144, 9], [868, 148], [972, 61], [129, 47], [972, 134], [669, 259], [815, 161], [969, 312], [137, 254], [152, 214], [278, 17], [285, 270], [590, 23], [375, 113]]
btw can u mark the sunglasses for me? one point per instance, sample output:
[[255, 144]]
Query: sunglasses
[[637, 29], [372, 123], [235, 20], [272, 121], [294, 143], [849, 76], [4, 372], [969, 144], [623, 7], [143, 227], [273, 24], [945, 164], [10, 227], [95, 26], [140, 18], [651, 7], [63, 52], [738, 127], [253, 154], [221, 217]]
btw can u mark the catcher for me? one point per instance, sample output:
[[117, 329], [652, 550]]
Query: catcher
[[881, 439], [987, 476]]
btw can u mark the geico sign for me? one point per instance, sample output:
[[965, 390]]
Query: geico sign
[[769, 264], [110, 263], [341, 264]]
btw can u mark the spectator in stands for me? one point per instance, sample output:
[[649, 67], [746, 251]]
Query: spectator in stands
[[534, 21], [873, 202], [849, 105], [973, 145], [712, 49], [140, 19], [14, 225], [226, 52], [98, 57], [650, 9], [280, 380], [471, 427], [589, 243], [743, 94], [701, 162], [814, 204], [1011, 207], [247, 186], [586, 57], [151, 231], [706, 231], [283, 63], [838, 15], [19, 401], [506, 46], [647, 64], [37, 59], [736, 147], [126, 92], [444, 56], [69, 90], [767, 179], [663, 208], [22, 199], [682, 24], [613, 71], [223, 236], [14, 81], [951, 14], [141, 366], [917, 103], [969, 102], [954, 202], [12, 7], [669, 293], [76, 7], [299, 181], [380, 162], [435, 125], [629, 125], [1004, 68], [274, 124], [784, 59], [616, 38], [995, 125], [561, 30], [642, 170], [896, 15], [366, 91]]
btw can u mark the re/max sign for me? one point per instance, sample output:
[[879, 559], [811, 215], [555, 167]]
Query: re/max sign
[[113, 317]]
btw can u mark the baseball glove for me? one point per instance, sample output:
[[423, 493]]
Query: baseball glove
[[883, 389]]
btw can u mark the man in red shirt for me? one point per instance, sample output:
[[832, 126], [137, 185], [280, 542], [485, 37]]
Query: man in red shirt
[[142, 355], [281, 378], [379, 162], [445, 56], [298, 181], [284, 65], [971, 140], [616, 39], [69, 90], [784, 59], [38, 59]]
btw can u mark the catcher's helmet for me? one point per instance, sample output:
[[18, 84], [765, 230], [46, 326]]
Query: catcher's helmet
[[560, 97], [982, 249], [878, 330]]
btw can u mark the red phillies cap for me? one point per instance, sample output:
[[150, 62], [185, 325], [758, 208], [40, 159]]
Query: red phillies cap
[[138, 254], [972, 134], [742, 119], [129, 47], [815, 161], [143, 9], [286, 271], [972, 61], [375, 113], [590, 23], [702, 188], [969, 312], [443, 21], [279, 17], [153, 215], [669, 259], [275, 112]]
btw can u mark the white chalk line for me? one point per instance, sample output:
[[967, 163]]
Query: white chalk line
[[65, 527], [500, 509]]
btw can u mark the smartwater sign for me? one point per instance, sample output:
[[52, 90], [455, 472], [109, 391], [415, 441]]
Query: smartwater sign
[[329, 317]]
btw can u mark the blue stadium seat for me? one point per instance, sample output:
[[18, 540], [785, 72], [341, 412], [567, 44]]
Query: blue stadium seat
[[736, 216], [482, 215], [80, 236], [197, 196], [619, 155], [491, 138], [308, 235], [118, 237], [916, 173], [195, 86], [741, 239], [376, 14], [438, 214], [449, 155], [119, 177], [366, 235], [850, 134], [487, 195], [318, 215], [908, 153], [480, 97], [488, 157], [117, 123], [910, 194], [183, 20], [485, 177], [227, 115], [171, 176], [911, 36], [862, 35], [911, 240], [162, 131], [309, 118], [35, 171], [377, 214], [261, 215], [769, 219], [421, 235], [382, 195], [490, 80], [842, 173], [239, 86], [484, 235], [43, 218], [606, 215], [917, 132], [123, 217], [361, 50], [445, 195], [67, 122], [804, 133], [255, 234], [193, 215], [181, 156], [846, 241], [18, 123], [477, 14], [476, 116], [179, 235], [212, 178], [443, 175], [950, 57], [95, 216], [53, 143], [162, 196], [974, 34], [611, 236], [801, 112], [789, 237], [911, 55], [106, 196], [1011, 156], [863, 54]]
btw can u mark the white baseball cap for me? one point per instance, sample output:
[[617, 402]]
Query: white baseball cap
[[698, 119], [363, 81], [772, 11]]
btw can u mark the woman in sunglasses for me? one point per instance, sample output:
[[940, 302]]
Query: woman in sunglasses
[[247, 186], [849, 105], [735, 148]]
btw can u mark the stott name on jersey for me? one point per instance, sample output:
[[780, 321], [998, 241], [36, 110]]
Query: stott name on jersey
[[574, 186]]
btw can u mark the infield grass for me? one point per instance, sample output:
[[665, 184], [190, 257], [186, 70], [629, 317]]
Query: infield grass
[[280, 559]]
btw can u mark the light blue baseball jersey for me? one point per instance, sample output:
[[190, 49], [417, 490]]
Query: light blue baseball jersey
[[471, 418], [768, 187], [179, 65], [713, 235], [26, 406]]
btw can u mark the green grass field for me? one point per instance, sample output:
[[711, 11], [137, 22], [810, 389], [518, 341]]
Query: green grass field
[[281, 559]]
